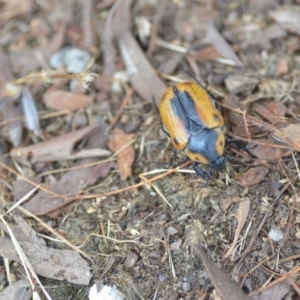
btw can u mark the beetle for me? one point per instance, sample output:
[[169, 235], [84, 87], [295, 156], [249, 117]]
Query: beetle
[[194, 125]]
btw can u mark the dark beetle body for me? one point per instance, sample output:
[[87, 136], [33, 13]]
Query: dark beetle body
[[194, 124]]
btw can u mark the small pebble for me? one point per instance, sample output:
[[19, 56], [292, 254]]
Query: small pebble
[[162, 277], [276, 234], [186, 287], [131, 260]]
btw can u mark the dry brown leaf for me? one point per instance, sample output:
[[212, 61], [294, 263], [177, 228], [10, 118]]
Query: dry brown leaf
[[253, 176], [74, 181], [236, 119], [241, 217], [64, 264], [71, 184], [15, 128], [266, 113], [276, 107], [117, 140], [282, 66], [52, 263], [222, 282], [142, 76], [221, 44], [290, 134], [264, 151], [23, 232], [60, 100], [17, 290], [275, 292], [57, 149], [21, 187]]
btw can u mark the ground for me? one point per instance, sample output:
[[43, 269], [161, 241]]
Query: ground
[[90, 191]]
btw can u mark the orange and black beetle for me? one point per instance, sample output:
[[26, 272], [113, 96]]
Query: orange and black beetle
[[190, 118]]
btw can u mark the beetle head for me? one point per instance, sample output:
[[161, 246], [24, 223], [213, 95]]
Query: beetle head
[[219, 164]]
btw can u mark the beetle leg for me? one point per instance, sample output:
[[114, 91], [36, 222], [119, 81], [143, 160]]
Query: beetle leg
[[235, 142], [174, 158], [169, 163], [199, 171], [164, 130], [239, 144]]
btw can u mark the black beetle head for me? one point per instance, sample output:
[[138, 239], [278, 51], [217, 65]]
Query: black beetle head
[[219, 164]]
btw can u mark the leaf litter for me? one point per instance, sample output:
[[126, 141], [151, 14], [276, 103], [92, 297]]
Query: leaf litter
[[93, 200]]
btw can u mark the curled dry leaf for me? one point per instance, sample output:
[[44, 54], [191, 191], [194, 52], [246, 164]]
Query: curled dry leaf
[[57, 149], [117, 140], [60, 100], [253, 176], [241, 216]]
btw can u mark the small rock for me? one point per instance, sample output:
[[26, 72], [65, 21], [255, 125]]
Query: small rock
[[276, 234], [171, 230], [253, 176], [73, 59], [131, 260], [186, 287], [162, 277], [239, 84], [176, 245]]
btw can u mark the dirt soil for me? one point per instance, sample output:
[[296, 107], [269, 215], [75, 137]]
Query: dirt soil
[[88, 194]]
